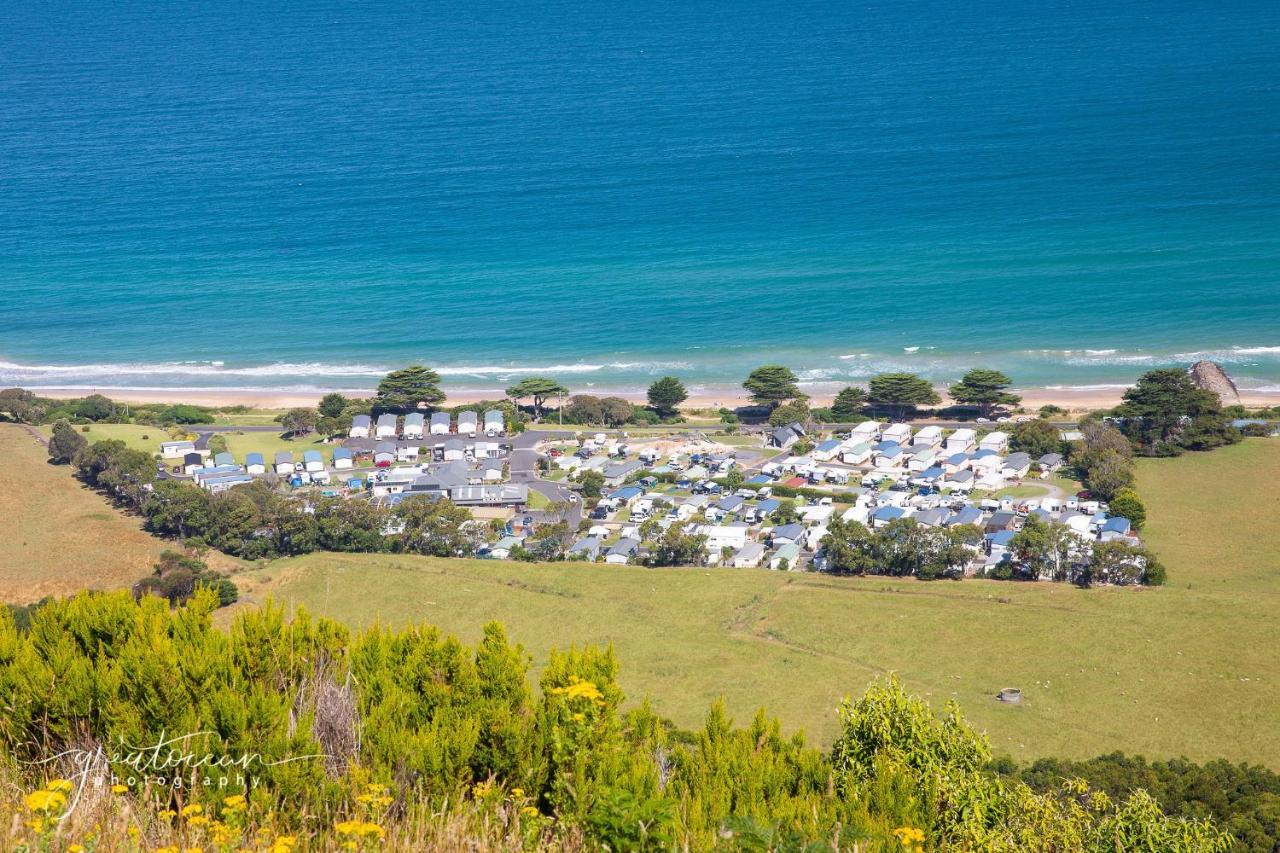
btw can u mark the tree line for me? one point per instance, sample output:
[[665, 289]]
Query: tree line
[[256, 521], [1040, 550]]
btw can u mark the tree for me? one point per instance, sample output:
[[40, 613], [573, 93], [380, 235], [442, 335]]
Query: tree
[[19, 405], [584, 409], [786, 512], [95, 407], [676, 547], [592, 483], [409, 388], [65, 443], [734, 479], [847, 405], [1035, 438], [985, 389], [1107, 473], [332, 405], [300, 421], [666, 395], [1047, 549], [772, 384], [537, 387], [1119, 563], [797, 411], [615, 411], [1103, 459], [1126, 504], [1166, 413], [850, 548], [900, 393], [334, 426]]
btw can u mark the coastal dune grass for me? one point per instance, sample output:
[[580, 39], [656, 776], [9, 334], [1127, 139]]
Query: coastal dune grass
[[1188, 669]]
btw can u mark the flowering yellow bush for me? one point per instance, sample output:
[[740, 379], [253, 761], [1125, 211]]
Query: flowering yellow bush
[[578, 688], [910, 838]]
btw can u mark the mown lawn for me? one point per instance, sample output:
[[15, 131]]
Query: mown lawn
[[56, 536], [1189, 669], [148, 439]]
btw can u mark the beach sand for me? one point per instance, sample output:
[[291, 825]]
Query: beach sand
[[1073, 400]]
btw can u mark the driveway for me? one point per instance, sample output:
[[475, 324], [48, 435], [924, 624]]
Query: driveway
[[523, 468]]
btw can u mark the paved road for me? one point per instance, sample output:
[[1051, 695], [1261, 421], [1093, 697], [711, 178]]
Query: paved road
[[523, 468], [204, 432]]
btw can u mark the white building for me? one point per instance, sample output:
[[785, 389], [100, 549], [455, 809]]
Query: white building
[[961, 441], [413, 425], [386, 427], [997, 441]]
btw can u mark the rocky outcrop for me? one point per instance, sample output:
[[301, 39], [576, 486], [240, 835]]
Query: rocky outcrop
[[1210, 376]]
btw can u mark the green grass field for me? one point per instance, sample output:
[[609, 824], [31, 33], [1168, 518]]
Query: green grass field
[[1189, 669], [148, 438]]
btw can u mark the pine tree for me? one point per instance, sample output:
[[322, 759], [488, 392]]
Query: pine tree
[[409, 388]]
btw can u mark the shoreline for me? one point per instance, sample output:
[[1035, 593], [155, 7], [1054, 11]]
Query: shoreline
[[1074, 400]]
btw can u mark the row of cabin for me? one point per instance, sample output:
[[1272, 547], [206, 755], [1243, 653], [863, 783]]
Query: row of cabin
[[864, 439], [416, 425], [449, 450], [255, 464]]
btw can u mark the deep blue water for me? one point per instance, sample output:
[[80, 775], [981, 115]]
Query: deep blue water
[[262, 194]]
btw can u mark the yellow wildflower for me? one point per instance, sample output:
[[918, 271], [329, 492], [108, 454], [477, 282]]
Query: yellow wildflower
[[283, 844], [517, 792], [371, 829], [909, 836], [45, 801], [167, 814], [62, 785], [75, 848], [529, 811], [134, 832], [235, 803], [36, 824], [348, 827], [119, 789], [580, 689], [172, 848], [197, 820], [193, 809]]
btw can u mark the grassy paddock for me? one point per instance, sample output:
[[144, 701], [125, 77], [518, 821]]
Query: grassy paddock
[[148, 439], [56, 536], [1184, 670]]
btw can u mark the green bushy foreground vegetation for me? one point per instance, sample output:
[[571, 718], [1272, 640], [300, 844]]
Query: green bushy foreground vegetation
[[383, 737]]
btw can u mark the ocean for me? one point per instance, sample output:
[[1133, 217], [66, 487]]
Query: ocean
[[305, 195]]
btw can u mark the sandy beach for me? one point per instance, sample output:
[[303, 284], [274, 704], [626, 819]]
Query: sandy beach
[[1073, 400]]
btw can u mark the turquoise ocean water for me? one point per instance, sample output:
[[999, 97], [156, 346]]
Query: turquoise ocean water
[[302, 195]]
